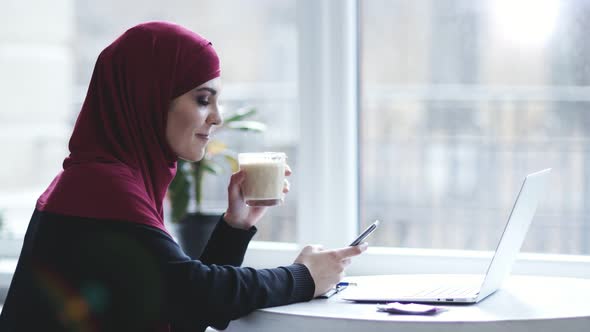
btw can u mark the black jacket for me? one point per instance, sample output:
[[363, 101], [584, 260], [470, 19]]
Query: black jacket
[[82, 274]]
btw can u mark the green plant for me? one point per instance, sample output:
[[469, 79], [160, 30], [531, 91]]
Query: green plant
[[189, 175]]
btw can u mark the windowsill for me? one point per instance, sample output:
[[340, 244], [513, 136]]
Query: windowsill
[[383, 260], [7, 267]]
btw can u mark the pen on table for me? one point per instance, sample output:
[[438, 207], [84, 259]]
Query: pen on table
[[337, 289]]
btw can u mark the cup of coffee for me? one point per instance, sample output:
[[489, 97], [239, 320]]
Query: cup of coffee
[[265, 177]]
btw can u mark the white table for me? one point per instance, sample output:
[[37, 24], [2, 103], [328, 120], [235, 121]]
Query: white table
[[563, 306]]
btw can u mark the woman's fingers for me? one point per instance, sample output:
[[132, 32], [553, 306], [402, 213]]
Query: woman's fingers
[[287, 185], [234, 184], [327, 267], [351, 251]]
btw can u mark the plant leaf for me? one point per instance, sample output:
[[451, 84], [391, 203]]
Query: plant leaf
[[212, 167], [254, 126], [179, 193], [216, 147], [233, 162], [240, 114]]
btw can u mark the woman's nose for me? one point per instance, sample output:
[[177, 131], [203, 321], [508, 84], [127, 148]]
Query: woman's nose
[[215, 117]]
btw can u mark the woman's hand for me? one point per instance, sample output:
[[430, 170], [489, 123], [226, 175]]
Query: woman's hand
[[327, 266], [238, 214]]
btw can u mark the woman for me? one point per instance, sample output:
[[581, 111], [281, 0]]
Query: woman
[[97, 257]]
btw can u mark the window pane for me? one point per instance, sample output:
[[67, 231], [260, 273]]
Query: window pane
[[46, 66], [36, 80], [460, 100]]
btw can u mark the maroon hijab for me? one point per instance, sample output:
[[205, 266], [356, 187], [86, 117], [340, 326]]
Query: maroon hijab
[[120, 164]]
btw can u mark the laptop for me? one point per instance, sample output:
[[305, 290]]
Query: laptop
[[459, 288]]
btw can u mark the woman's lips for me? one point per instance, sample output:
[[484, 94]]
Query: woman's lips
[[203, 136]]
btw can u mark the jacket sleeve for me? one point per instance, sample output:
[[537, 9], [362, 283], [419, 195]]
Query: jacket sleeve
[[214, 295], [227, 245]]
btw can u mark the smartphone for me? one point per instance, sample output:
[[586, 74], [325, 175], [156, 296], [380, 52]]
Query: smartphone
[[364, 234]]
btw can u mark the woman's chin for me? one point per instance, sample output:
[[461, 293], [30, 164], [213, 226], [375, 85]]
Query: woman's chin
[[193, 157]]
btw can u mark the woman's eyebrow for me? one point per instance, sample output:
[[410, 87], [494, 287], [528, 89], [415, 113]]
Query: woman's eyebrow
[[212, 91]]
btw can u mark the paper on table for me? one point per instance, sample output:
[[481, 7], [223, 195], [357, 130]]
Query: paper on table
[[410, 309]]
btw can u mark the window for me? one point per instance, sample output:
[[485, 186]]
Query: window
[[36, 66], [47, 62], [423, 113], [256, 42], [460, 100]]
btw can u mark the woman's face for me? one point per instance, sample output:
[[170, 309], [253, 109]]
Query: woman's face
[[191, 118]]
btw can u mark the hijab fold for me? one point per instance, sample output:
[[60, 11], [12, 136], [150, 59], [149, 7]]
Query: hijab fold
[[120, 164]]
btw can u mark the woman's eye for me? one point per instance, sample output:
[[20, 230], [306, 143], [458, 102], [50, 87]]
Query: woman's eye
[[203, 102]]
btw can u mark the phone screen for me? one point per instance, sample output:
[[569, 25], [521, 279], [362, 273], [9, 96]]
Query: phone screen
[[364, 234]]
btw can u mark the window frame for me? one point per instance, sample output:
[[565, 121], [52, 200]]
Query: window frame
[[328, 213], [328, 104], [329, 79]]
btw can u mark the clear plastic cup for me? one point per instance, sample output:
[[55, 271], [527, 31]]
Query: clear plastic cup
[[265, 177]]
